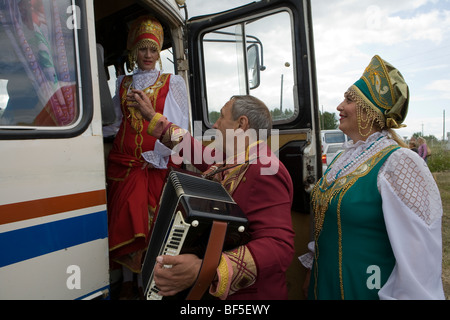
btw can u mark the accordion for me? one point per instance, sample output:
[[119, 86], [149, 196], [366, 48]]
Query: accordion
[[195, 216]]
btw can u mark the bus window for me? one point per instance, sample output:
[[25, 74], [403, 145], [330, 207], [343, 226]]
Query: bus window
[[38, 77], [230, 65]]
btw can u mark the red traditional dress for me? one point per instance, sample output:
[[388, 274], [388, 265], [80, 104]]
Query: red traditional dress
[[134, 186]]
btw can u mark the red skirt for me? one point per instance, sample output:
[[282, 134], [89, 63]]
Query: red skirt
[[133, 195]]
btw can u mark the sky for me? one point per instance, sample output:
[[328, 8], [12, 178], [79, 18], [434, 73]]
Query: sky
[[412, 35]]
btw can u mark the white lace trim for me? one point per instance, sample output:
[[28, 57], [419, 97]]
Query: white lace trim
[[179, 93], [414, 185], [307, 259], [143, 79]]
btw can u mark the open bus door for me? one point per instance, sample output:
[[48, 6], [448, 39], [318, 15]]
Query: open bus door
[[264, 49]]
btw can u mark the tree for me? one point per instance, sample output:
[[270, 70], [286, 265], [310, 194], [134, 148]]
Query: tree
[[429, 139], [214, 116], [277, 114], [328, 120]]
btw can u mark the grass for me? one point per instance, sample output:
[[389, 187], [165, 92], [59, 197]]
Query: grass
[[439, 164], [443, 182], [439, 160]]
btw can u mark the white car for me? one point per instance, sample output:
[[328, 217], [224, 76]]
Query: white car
[[332, 143], [332, 150]]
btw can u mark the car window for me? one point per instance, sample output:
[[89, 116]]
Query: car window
[[334, 137], [334, 148]]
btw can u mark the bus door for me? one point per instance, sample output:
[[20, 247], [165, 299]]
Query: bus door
[[264, 49], [53, 223]]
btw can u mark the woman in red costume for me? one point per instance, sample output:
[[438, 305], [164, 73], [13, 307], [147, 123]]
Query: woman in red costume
[[137, 163]]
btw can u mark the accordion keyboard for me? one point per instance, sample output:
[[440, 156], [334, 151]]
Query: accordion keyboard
[[173, 246]]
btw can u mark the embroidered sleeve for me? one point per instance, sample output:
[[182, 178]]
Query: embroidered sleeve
[[168, 133], [413, 184], [237, 270], [176, 108], [179, 92], [412, 211], [172, 136]]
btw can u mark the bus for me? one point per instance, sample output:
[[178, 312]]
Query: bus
[[58, 64]]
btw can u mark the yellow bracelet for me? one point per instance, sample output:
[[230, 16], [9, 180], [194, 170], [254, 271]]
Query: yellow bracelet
[[153, 123]]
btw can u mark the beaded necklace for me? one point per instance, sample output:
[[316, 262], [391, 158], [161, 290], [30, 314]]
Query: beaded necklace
[[350, 164], [344, 169]]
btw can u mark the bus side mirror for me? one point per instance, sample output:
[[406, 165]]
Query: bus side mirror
[[253, 66]]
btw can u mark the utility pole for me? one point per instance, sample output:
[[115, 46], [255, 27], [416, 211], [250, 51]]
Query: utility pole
[[281, 95], [443, 129]]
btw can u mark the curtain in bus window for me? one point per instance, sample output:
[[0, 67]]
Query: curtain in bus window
[[38, 64]]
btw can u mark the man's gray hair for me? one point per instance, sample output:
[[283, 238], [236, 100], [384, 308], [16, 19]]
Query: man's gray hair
[[259, 117]]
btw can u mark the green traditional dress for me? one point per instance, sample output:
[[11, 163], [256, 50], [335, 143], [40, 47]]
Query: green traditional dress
[[353, 255], [378, 210]]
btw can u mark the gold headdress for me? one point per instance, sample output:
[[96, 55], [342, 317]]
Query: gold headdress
[[383, 94], [145, 32]]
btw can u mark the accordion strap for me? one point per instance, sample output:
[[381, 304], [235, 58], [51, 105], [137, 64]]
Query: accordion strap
[[210, 261]]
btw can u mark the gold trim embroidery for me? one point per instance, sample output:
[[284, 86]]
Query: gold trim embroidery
[[244, 268], [223, 278]]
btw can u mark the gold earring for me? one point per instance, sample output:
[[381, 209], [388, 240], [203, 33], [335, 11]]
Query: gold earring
[[363, 124]]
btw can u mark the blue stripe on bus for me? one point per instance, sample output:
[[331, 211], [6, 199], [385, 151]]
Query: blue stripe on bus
[[32, 242]]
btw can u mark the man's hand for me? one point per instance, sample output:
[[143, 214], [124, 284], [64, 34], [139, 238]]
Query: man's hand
[[181, 274], [139, 100]]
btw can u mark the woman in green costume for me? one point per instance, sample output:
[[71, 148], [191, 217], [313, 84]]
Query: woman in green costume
[[377, 223]]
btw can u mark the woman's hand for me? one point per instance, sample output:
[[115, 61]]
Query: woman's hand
[[139, 100]]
